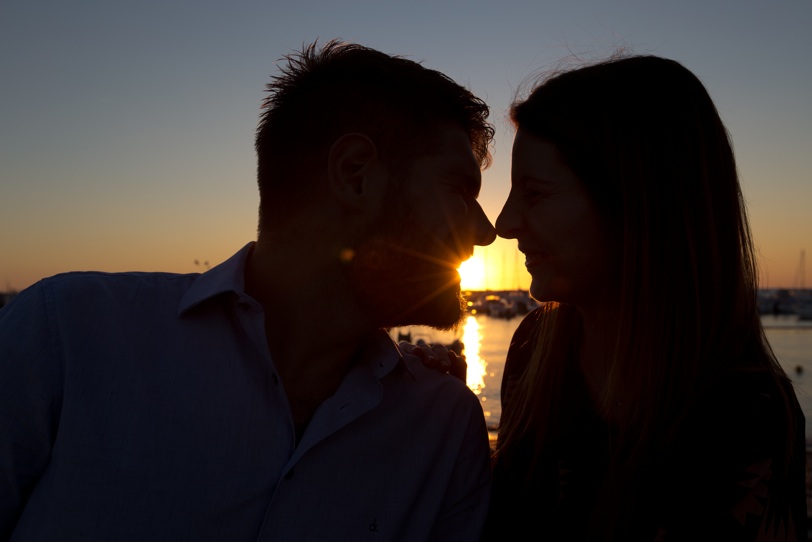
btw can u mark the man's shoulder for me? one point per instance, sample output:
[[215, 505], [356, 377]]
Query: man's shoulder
[[119, 276], [101, 280], [88, 288], [431, 381], [442, 403]]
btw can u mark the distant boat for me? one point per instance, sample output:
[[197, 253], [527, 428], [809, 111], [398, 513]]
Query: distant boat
[[803, 306], [776, 301], [803, 297]]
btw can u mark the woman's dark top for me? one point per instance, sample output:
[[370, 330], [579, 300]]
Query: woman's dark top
[[717, 480]]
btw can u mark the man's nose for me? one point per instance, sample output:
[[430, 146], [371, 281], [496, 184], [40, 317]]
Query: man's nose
[[484, 232]]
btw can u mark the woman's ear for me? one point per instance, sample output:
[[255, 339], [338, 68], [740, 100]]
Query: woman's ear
[[353, 167]]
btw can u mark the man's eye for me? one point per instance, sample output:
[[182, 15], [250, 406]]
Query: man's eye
[[458, 190], [463, 194], [465, 206]]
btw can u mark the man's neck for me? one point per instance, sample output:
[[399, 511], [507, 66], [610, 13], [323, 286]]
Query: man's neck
[[313, 326]]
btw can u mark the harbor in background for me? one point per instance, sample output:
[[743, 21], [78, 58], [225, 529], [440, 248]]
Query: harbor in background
[[493, 317]]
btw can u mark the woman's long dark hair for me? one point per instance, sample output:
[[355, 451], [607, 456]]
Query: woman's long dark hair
[[644, 136]]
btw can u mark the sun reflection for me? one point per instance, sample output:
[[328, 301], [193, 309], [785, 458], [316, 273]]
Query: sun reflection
[[476, 365]]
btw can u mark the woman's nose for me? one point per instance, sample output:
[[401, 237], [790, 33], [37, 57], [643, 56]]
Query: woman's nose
[[508, 221]]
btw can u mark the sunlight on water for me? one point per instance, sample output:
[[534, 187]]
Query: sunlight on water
[[486, 342], [476, 365]]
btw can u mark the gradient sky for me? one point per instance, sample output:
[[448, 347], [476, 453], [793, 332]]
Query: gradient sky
[[126, 128]]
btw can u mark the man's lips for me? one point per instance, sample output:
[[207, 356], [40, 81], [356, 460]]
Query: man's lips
[[456, 259], [531, 257]]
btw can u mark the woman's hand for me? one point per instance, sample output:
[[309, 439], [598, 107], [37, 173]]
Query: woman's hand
[[438, 356]]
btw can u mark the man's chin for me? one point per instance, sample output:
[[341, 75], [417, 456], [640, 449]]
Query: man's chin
[[440, 309], [401, 286]]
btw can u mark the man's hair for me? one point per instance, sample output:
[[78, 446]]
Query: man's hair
[[325, 92]]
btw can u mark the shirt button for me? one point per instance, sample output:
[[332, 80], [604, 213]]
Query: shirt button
[[275, 379], [289, 474]]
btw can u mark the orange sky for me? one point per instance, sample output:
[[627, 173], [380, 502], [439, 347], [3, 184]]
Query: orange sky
[[126, 129]]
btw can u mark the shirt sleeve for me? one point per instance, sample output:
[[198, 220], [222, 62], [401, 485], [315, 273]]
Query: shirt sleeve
[[463, 516], [30, 395]]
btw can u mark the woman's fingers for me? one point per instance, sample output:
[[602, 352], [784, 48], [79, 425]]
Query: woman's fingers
[[424, 351], [442, 354], [438, 356], [459, 367]]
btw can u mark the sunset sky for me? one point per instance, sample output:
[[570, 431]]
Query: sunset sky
[[126, 128]]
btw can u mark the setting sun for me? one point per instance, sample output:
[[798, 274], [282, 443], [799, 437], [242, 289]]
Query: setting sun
[[472, 273]]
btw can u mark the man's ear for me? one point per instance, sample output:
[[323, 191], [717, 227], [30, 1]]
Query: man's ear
[[352, 164]]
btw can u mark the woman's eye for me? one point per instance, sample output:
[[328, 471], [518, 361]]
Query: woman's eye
[[535, 192], [532, 196]]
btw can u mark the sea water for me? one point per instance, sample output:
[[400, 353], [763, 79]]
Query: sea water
[[486, 341]]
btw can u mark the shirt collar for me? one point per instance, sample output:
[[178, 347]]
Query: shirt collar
[[228, 276], [383, 354]]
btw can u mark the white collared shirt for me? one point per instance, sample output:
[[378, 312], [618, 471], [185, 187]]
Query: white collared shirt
[[145, 406]]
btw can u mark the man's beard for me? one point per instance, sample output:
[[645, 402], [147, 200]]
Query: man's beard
[[404, 277]]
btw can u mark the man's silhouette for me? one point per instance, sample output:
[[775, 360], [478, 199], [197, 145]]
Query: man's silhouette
[[263, 399]]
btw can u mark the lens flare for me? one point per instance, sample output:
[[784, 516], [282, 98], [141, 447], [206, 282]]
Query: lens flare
[[472, 273]]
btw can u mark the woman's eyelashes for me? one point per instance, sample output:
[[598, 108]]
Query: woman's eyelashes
[[534, 190], [534, 195]]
